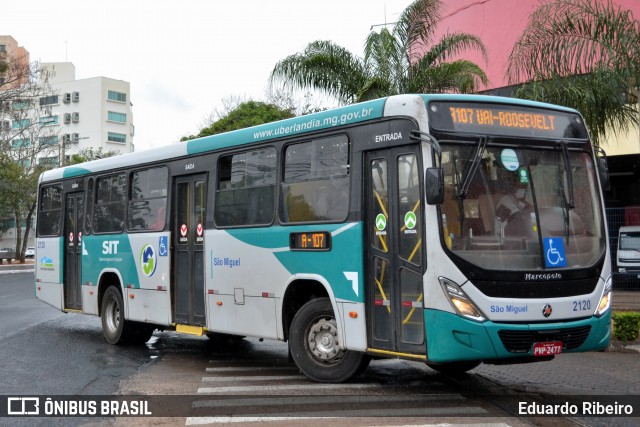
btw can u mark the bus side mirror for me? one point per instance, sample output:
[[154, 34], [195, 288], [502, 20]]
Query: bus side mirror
[[434, 184], [603, 170]]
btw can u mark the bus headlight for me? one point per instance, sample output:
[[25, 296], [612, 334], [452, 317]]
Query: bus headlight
[[605, 299], [460, 301]]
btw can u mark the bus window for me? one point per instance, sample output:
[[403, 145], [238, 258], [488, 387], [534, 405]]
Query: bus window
[[409, 208], [148, 200], [109, 207], [380, 203], [50, 210], [89, 211], [246, 186], [316, 181]]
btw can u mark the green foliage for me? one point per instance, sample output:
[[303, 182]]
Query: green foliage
[[247, 114], [17, 184], [403, 60], [584, 54], [89, 154], [626, 325], [18, 196], [20, 150]]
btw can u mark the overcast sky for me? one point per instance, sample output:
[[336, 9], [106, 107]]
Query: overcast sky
[[183, 58]]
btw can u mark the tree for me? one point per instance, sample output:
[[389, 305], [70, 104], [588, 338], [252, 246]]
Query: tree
[[28, 145], [403, 60], [584, 54], [18, 188], [246, 114], [89, 154]]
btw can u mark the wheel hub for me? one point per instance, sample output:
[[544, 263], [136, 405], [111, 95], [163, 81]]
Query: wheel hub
[[323, 341], [113, 319]]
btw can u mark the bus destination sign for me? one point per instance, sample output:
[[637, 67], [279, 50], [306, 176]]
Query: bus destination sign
[[495, 119], [311, 241]]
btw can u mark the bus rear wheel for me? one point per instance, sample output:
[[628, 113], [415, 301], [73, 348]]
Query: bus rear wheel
[[315, 346], [115, 328]]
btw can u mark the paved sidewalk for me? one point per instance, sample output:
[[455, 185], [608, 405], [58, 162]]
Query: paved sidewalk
[[594, 373]]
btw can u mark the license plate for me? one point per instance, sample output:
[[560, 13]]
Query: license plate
[[547, 348]]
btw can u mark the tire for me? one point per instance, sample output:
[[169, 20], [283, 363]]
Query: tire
[[112, 314], [314, 345], [115, 328], [142, 333], [454, 368]]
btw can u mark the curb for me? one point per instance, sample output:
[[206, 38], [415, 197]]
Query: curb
[[16, 268], [623, 347], [15, 271]]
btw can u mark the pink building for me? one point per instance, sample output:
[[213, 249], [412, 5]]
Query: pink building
[[498, 23], [17, 59]]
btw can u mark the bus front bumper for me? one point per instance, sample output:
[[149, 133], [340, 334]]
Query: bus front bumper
[[453, 338]]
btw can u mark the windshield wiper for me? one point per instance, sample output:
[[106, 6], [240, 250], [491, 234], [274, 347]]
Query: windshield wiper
[[463, 187], [567, 169], [473, 168], [568, 199]]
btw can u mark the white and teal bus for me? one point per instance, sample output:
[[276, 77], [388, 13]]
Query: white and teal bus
[[447, 229]]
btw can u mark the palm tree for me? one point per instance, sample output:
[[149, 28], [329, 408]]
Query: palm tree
[[403, 60], [583, 54]]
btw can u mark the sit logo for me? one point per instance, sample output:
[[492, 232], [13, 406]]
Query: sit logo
[[110, 247], [148, 260]]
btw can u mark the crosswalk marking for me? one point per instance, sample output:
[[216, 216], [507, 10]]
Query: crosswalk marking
[[241, 359], [387, 412], [304, 400], [237, 420], [251, 368], [273, 388], [192, 421], [254, 378], [228, 389]]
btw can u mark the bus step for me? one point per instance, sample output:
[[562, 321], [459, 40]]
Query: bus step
[[191, 330], [395, 354]]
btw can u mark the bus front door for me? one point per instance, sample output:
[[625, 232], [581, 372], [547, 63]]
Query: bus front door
[[394, 256], [73, 226], [188, 237]]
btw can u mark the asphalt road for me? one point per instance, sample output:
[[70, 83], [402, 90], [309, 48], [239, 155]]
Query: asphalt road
[[19, 309], [46, 352]]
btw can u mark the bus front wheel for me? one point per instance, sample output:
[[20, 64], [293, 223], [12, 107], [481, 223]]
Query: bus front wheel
[[115, 328], [315, 346]]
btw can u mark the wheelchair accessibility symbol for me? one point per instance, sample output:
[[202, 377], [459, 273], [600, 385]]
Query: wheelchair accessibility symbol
[[554, 252], [163, 246]]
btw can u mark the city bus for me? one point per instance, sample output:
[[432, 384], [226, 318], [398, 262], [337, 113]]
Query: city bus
[[451, 230]]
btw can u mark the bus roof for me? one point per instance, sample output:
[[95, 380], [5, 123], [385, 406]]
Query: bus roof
[[400, 105]]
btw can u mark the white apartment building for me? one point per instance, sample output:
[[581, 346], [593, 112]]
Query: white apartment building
[[91, 113]]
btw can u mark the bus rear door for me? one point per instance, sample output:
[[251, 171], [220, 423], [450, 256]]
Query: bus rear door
[[189, 198], [73, 226], [394, 254]]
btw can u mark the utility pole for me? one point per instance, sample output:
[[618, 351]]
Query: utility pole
[[62, 152]]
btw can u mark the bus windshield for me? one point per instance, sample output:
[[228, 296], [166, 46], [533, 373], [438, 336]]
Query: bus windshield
[[504, 206]]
